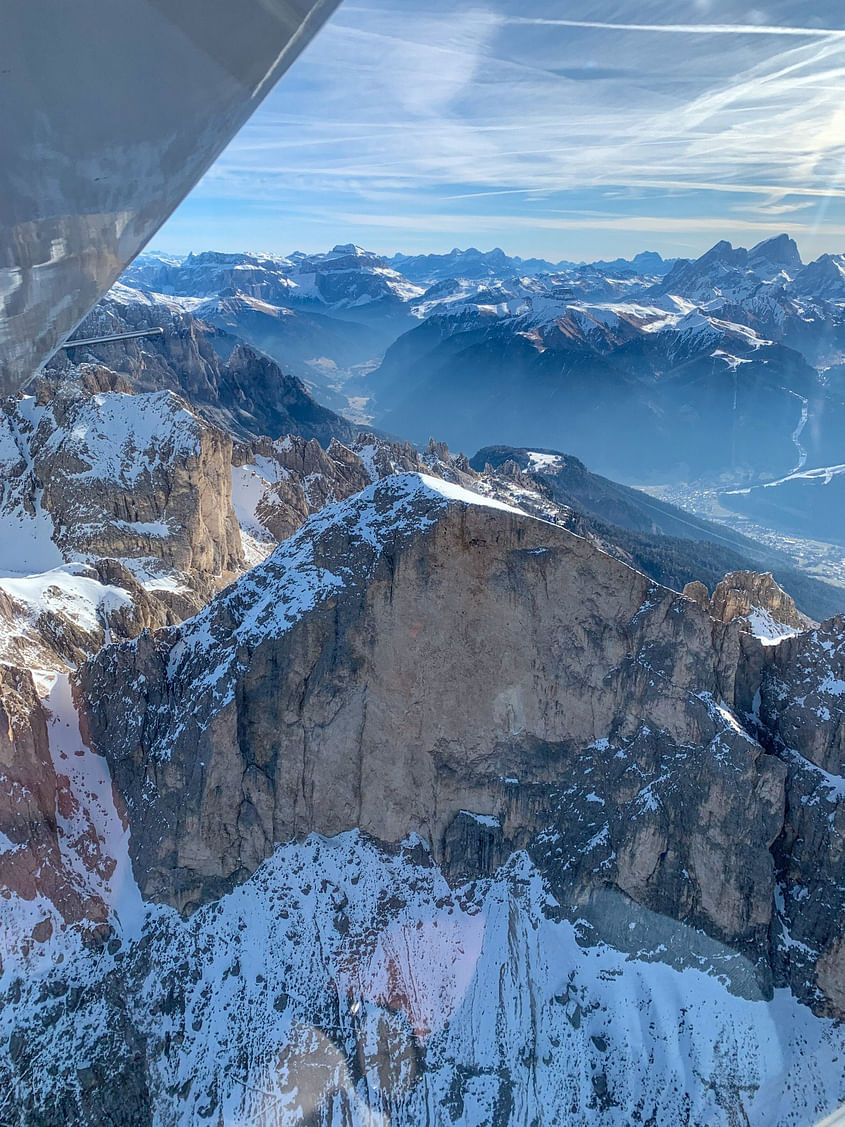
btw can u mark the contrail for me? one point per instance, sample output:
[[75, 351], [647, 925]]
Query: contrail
[[687, 28]]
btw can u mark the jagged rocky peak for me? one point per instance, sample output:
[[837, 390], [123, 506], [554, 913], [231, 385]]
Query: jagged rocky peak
[[115, 514], [824, 278], [277, 485], [529, 781], [351, 250], [779, 251], [755, 601], [725, 253], [734, 273]]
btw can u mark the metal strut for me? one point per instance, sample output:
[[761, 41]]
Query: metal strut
[[106, 340]]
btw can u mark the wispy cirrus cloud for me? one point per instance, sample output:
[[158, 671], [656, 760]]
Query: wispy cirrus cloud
[[732, 29], [486, 121]]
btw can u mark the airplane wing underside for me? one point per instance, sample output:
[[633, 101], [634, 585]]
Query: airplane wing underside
[[112, 111]]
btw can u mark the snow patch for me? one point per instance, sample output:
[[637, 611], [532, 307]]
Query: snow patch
[[544, 463]]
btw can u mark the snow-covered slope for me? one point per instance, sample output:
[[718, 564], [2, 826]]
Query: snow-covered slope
[[343, 984]]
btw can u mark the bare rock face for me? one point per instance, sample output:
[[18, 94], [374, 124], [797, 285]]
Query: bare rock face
[[420, 660], [802, 696], [33, 798], [471, 693], [801, 708]]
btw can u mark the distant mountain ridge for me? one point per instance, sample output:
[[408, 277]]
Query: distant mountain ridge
[[470, 263], [671, 546], [224, 379], [726, 369]]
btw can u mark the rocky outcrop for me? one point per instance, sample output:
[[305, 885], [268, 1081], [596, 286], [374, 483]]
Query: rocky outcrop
[[54, 621], [115, 514], [321, 690], [760, 605], [126, 476], [278, 485], [115, 517], [28, 791]]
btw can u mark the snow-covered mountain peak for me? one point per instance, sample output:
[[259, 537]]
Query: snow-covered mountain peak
[[726, 273], [823, 279], [781, 251], [352, 250]]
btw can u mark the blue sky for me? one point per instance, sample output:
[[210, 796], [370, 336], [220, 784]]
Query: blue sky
[[580, 130]]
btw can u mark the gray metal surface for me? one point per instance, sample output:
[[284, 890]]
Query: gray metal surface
[[110, 111], [86, 341]]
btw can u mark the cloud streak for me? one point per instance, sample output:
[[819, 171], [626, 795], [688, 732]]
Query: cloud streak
[[731, 29], [490, 113]]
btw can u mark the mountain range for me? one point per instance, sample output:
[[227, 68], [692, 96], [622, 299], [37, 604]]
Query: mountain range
[[722, 372], [348, 780]]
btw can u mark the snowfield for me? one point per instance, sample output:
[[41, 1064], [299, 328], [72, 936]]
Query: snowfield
[[466, 1005]]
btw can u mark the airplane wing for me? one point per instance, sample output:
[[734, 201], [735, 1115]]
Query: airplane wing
[[111, 111]]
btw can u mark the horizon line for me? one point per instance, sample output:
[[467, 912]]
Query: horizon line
[[255, 252]]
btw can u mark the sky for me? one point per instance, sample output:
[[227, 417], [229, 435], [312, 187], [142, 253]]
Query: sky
[[590, 129]]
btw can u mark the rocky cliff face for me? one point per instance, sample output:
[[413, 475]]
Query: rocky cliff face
[[278, 485], [116, 516], [63, 865], [29, 800], [800, 710], [116, 475], [601, 732], [134, 477]]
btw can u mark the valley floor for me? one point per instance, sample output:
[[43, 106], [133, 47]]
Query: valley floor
[[822, 560]]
